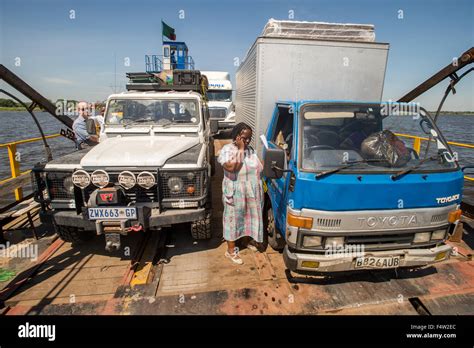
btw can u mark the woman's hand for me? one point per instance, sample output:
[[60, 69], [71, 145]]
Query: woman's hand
[[240, 143]]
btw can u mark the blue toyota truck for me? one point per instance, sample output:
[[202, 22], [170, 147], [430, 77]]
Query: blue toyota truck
[[346, 185]]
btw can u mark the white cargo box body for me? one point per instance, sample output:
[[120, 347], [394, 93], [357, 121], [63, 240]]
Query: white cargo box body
[[277, 69]]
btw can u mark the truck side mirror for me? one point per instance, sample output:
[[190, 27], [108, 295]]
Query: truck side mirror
[[214, 125], [90, 126], [274, 162]]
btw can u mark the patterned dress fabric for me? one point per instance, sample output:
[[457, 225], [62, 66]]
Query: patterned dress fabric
[[242, 196]]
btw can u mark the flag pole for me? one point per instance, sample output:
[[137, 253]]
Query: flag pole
[[162, 32]]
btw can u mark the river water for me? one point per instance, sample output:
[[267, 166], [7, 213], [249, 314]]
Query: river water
[[20, 125]]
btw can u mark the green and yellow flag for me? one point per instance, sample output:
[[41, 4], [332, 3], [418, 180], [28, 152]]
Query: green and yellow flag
[[168, 31]]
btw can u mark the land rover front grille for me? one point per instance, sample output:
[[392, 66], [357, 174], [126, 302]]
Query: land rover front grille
[[60, 186], [136, 193], [218, 113]]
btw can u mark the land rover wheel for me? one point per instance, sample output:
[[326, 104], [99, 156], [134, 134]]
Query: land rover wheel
[[73, 235], [272, 236], [201, 229]]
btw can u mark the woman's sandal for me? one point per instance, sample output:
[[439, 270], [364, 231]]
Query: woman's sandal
[[234, 257]]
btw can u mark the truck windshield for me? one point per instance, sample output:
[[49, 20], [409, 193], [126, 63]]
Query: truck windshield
[[225, 96], [152, 111], [370, 138]]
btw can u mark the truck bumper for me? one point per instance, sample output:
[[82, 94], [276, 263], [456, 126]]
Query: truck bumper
[[164, 218], [408, 258]]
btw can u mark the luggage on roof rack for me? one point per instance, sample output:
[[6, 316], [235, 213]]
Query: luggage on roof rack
[[172, 80]]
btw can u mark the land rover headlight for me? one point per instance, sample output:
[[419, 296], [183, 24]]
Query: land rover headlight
[[100, 178], [127, 179], [146, 180], [190, 176], [175, 184], [81, 178], [68, 185], [422, 237], [438, 235]]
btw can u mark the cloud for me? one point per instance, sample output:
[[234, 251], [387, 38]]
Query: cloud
[[58, 81]]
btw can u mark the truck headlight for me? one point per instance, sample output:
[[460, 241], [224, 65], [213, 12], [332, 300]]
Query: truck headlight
[[175, 184], [312, 241], [81, 178], [127, 179], [422, 237], [334, 242], [438, 235], [146, 180], [100, 178]]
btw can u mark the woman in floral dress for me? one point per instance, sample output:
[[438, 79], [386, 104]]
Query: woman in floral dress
[[242, 192]]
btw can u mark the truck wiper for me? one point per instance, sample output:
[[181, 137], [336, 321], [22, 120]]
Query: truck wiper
[[347, 165], [409, 170]]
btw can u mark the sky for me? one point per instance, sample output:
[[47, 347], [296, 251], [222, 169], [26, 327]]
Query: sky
[[78, 49]]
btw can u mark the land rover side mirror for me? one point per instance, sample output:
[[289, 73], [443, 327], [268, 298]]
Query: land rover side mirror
[[274, 162], [214, 126], [232, 107], [90, 126]]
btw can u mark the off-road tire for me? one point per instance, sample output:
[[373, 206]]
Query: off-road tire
[[272, 236], [74, 235], [201, 229]]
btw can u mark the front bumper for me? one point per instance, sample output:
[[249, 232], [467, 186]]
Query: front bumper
[[146, 217], [334, 263]]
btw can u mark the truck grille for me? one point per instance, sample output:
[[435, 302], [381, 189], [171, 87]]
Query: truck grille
[[329, 223], [373, 242], [218, 113], [196, 181]]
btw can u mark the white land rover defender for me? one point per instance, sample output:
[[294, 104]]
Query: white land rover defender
[[151, 168]]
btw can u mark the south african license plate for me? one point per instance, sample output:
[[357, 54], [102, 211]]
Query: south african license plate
[[115, 213]]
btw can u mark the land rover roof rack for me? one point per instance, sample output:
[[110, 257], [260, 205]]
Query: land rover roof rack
[[176, 80]]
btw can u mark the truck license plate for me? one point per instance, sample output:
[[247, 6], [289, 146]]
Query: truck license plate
[[115, 213], [377, 262]]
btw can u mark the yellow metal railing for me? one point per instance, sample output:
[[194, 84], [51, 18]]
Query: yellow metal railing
[[15, 164], [417, 146]]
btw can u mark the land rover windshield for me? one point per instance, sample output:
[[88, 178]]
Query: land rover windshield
[[371, 138], [161, 112]]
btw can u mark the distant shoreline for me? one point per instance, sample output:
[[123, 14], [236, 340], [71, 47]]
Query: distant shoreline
[[442, 113]]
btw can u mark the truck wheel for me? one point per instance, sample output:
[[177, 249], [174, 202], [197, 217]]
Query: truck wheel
[[272, 236], [201, 229], [73, 234]]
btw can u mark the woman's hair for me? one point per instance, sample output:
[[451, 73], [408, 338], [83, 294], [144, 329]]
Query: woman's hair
[[238, 128]]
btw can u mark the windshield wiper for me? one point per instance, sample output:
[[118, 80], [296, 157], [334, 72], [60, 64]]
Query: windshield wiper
[[347, 165], [140, 120], [409, 170]]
